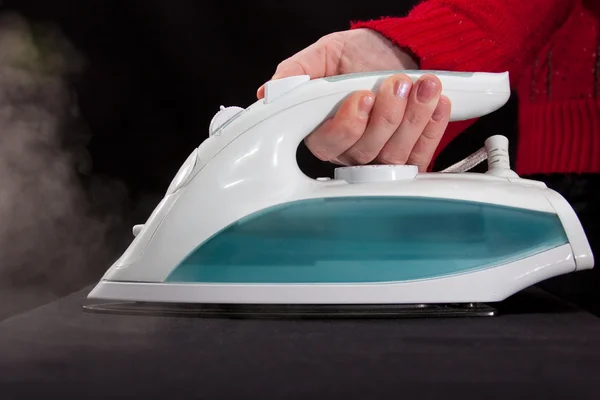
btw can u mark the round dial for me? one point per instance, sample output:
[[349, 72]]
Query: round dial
[[376, 173], [225, 114]]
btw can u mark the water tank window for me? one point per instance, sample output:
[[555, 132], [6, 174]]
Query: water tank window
[[369, 239]]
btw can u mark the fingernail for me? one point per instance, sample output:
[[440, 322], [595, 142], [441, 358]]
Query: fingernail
[[438, 113], [401, 88], [426, 91], [366, 103]]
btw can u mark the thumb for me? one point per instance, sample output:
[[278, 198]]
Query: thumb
[[285, 69], [312, 61], [292, 67]]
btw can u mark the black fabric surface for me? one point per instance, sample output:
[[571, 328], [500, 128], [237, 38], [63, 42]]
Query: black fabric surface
[[537, 348]]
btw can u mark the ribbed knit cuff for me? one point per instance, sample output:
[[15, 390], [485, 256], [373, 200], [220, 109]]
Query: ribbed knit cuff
[[441, 39], [559, 137]]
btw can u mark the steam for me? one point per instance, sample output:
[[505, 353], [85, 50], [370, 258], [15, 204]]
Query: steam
[[56, 220]]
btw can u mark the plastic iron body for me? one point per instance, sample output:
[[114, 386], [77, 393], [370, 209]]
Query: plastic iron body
[[241, 226]]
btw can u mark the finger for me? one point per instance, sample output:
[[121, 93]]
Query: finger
[[422, 101], [429, 140], [289, 67], [386, 116], [339, 133]]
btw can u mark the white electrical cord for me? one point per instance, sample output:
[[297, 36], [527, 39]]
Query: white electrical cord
[[468, 163]]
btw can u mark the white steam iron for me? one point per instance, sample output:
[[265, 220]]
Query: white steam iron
[[243, 229]]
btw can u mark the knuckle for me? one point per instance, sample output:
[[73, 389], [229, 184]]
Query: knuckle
[[349, 132], [352, 135], [332, 43], [414, 118], [390, 119], [331, 39], [328, 37], [433, 134], [283, 65], [359, 156], [392, 157]]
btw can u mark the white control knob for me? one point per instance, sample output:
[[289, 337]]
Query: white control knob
[[225, 114], [376, 173]]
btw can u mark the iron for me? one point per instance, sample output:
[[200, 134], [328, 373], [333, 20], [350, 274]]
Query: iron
[[242, 231]]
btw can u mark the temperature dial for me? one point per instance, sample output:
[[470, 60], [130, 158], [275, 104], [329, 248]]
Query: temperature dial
[[224, 115], [376, 173]]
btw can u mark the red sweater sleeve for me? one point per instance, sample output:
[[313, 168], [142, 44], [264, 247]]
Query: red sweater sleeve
[[467, 35]]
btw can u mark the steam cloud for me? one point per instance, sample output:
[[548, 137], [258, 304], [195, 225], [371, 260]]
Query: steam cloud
[[56, 220]]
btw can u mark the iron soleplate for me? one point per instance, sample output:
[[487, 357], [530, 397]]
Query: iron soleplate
[[294, 311]]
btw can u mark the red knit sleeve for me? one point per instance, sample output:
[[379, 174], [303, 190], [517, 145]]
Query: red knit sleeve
[[467, 35]]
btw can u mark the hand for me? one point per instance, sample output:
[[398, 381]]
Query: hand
[[403, 124]]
